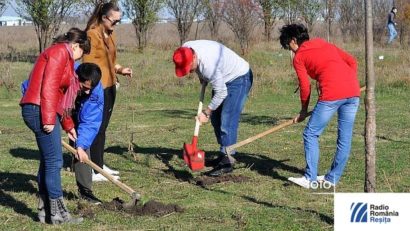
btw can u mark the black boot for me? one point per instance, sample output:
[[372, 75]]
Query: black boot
[[60, 214], [224, 166], [88, 195]]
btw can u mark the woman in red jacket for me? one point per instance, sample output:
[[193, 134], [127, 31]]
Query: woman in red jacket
[[336, 73], [50, 94]]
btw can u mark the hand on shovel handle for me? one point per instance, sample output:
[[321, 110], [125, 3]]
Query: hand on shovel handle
[[202, 118]]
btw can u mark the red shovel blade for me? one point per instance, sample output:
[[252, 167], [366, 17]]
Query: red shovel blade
[[194, 158]]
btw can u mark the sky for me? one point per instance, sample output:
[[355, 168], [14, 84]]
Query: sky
[[9, 11]]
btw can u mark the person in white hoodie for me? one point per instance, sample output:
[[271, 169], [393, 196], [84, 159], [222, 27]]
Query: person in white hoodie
[[231, 79]]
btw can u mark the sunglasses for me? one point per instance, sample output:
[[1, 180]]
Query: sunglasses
[[113, 22]]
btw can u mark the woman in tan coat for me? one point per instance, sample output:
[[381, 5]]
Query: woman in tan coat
[[100, 31]]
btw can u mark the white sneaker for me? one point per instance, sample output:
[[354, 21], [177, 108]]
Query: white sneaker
[[100, 177], [301, 181], [110, 171], [322, 178]]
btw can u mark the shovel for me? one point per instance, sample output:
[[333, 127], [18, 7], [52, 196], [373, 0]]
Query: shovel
[[229, 149], [134, 195], [193, 157]]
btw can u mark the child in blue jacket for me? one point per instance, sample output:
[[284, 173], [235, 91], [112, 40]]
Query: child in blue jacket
[[86, 118]]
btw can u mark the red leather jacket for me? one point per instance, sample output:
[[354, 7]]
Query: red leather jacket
[[49, 80]]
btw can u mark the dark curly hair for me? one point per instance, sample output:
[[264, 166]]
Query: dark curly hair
[[89, 72], [293, 31]]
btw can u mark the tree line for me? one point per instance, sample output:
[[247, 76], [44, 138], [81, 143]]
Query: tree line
[[242, 16]]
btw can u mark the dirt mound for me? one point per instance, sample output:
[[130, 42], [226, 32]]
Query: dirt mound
[[207, 180], [85, 210], [150, 208]]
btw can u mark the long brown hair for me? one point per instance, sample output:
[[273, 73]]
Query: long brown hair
[[99, 11], [75, 35]]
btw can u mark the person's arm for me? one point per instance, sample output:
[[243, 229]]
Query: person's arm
[[304, 84], [50, 89], [220, 91], [123, 70], [90, 120], [349, 59]]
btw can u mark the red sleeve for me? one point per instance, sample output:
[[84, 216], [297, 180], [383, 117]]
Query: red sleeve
[[50, 95], [304, 82], [67, 123], [349, 59]]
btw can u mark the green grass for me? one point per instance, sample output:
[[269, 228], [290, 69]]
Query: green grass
[[159, 109]]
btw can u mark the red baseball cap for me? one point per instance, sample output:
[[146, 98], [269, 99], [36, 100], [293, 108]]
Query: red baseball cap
[[183, 58]]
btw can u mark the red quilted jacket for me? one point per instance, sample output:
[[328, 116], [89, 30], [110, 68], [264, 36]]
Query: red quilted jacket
[[49, 80]]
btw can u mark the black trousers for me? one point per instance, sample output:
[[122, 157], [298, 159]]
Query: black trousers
[[83, 174], [97, 147]]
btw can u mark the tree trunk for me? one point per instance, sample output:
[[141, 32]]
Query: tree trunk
[[370, 137], [329, 6], [268, 30]]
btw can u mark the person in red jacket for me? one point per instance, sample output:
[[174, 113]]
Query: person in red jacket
[[336, 73], [50, 94]]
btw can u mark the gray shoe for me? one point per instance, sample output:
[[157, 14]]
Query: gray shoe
[[43, 209], [60, 214]]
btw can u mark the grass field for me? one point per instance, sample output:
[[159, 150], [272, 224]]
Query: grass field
[[159, 109]]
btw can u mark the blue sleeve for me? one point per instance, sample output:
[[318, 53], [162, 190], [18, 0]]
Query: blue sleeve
[[76, 64], [90, 119], [24, 86]]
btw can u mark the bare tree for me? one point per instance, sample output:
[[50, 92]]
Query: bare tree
[[290, 10], [184, 12], [3, 6], [242, 17], [310, 11], [329, 16], [271, 10], [351, 18], [370, 137], [47, 17], [143, 14], [212, 11], [403, 19]]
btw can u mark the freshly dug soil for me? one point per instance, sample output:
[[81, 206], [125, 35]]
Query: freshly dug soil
[[150, 208], [84, 210], [207, 180]]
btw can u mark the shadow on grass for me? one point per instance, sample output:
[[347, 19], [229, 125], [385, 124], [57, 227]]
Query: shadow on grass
[[165, 155], [262, 164], [267, 166], [323, 217], [20, 182], [245, 117], [32, 154], [255, 120]]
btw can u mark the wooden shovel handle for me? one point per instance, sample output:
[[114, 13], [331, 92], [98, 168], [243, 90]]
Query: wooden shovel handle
[[229, 149], [201, 100], [123, 186]]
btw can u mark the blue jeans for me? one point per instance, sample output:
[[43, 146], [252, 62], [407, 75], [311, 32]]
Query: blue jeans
[[392, 32], [225, 119], [51, 156], [322, 113]]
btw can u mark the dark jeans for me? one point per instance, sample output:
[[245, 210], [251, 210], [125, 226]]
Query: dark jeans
[[97, 147], [225, 119], [51, 156], [83, 173]]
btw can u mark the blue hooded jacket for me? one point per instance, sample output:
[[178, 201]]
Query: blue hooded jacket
[[89, 117]]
